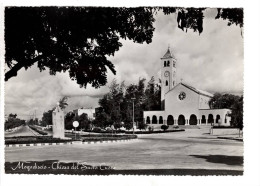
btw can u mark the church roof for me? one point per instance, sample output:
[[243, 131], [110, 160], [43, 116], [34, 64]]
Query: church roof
[[201, 92], [168, 54]]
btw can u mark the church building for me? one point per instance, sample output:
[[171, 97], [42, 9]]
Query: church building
[[183, 104]]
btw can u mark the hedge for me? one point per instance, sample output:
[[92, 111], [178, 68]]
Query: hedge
[[224, 127], [29, 140], [109, 138], [106, 135], [106, 131], [50, 139], [152, 132]]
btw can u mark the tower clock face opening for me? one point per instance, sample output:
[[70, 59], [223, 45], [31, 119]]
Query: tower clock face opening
[[182, 96], [166, 73]]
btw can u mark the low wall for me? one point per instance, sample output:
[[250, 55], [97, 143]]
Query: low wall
[[225, 131]]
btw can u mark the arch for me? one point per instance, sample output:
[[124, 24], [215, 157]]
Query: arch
[[160, 120], [170, 120], [165, 63], [154, 119], [148, 121], [168, 63], [173, 64], [173, 83], [166, 83], [226, 118], [217, 118], [203, 119], [210, 118], [193, 119], [181, 120]]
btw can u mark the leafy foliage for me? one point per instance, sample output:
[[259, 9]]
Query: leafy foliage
[[33, 122], [84, 122], [117, 106], [47, 118], [237, 113], [164, 127], [13, 122], [220, 101], [191, 18], [12, 115], [63, 102], [73, 39], [69, 118], [229, 101], [233, 15]]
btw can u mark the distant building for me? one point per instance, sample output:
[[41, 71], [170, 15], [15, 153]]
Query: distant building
[[89, 111], [183, 104]]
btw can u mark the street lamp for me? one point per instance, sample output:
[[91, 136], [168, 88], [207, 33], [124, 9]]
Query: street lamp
[[133, 112], [75, 125]]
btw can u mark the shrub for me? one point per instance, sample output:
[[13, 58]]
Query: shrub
[[164, 127], [97, 129], [108, 129], [150, 129]]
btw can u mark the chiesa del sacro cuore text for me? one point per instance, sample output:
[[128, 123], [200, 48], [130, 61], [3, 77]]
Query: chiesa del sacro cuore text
[[183, 104]]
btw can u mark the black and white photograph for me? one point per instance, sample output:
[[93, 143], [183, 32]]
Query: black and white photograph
[[147, 91]]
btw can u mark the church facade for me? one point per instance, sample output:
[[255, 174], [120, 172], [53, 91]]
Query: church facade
[[183, 104]]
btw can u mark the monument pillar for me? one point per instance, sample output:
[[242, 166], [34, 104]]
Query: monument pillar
[[58, 123]]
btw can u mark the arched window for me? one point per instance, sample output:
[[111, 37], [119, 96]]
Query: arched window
[[166, 83], [154, 119], [173, 83], [165, 63], [148, 120], [168, 63], [160, 120], [173, 64]]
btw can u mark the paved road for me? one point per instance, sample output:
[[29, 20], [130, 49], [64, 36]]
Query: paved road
[[23, 130], [193, 149]]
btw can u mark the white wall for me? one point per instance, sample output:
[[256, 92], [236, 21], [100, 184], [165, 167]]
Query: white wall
[[89, 112], [174, 106]]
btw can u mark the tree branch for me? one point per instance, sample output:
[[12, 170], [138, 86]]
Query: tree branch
[[13, 71]]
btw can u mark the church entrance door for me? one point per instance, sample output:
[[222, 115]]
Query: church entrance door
[[181, 120]]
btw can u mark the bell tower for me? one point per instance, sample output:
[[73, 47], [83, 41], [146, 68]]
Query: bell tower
[[168, 74]]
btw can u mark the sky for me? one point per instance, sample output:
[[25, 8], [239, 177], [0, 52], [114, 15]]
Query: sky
[[211, 61]]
